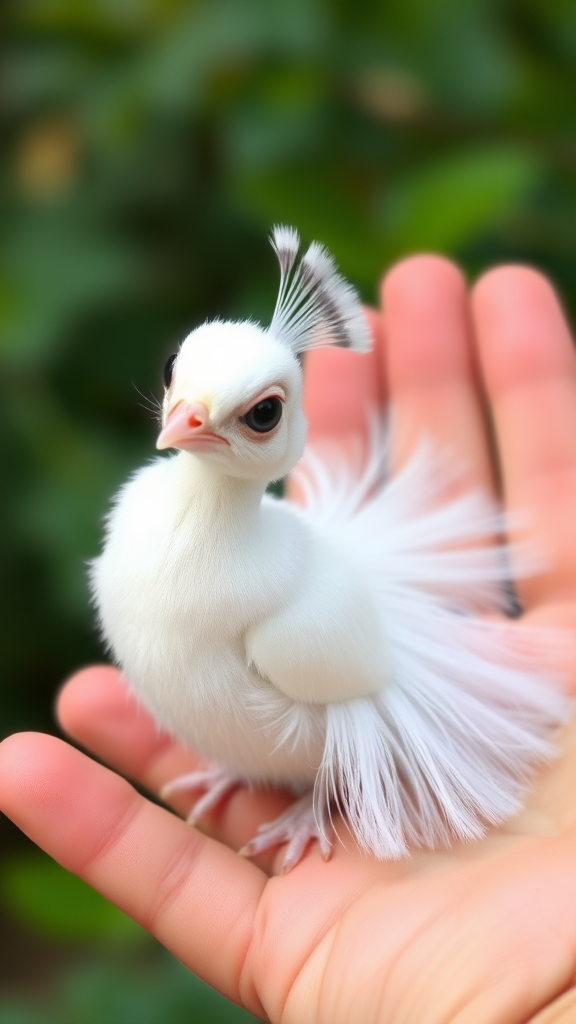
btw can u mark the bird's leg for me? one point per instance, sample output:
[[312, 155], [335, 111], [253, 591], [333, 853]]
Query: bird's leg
[[215, 782], [298, 826]]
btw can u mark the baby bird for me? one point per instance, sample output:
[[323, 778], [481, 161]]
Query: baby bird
[[346, 650]]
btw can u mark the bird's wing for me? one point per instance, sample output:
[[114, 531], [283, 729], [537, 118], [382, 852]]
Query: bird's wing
[[326, 642], [422, 530], [377, 546]]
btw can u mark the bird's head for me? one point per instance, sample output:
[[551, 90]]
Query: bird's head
[[233, 396], [233, 392]]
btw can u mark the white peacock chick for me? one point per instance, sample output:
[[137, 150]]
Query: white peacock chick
[[347, 650]]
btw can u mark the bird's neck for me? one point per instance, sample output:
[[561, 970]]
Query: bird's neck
[[200, 487]]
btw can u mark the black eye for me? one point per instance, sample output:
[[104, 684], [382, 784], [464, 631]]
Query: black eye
[[264, 416], [168, 371]]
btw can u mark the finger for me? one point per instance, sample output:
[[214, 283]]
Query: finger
[[341, 389], [195, 895], [550, 807], [528, 365], [429, 362], [98, 710], [561, 1011]]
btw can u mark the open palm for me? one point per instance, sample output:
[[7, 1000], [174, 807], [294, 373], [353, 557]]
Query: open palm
[[480, 934]]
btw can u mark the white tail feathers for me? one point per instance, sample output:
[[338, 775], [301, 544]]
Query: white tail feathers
[[450, 744], [315, 305]]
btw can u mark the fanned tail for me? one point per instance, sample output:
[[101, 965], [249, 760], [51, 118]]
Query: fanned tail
[[449, 746]]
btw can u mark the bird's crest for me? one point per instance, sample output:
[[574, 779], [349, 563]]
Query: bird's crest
[[315, 305]]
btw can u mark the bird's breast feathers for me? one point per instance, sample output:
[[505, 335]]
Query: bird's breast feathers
[[200, 612]]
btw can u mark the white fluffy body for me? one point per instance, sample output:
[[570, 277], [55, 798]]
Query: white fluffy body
[[345, 645]]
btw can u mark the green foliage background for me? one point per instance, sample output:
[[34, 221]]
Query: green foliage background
[[147, 147]]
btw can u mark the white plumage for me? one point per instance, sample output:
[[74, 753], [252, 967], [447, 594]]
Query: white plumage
[[345, 649]]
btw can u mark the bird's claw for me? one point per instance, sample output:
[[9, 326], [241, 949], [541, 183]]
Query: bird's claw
[[298, 826], [215, 782]]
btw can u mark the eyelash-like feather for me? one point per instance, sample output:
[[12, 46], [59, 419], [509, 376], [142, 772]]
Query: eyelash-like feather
[[315, 305]]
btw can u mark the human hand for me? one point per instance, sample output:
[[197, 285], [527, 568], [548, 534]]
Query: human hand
[[480, 933]]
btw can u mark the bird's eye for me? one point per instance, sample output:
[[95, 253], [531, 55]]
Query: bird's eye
[[264, 416], [169, 370]]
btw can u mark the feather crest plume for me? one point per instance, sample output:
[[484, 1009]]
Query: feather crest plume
[[315, 305]]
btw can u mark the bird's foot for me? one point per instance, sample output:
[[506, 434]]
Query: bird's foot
[[215, 782], [298, 826]]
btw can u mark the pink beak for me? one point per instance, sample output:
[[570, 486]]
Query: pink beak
[[185, 428]]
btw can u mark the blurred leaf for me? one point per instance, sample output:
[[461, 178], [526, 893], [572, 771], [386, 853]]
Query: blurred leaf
[[275, 124], [97, 17], [34, 80], [157, 990], [452, 201], [166, 994], [173, 74], [14, 1012], [47, 899], [55, 268]]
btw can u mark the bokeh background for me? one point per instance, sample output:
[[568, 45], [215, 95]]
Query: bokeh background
[[146, 148]]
